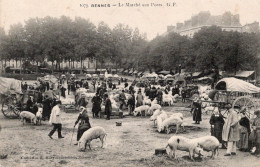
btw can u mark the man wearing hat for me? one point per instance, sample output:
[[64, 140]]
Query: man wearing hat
[[96, 107], [256, 132], [230, 132], [84, 124]]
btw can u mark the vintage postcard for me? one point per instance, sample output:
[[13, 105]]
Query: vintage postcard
[[129, 83]]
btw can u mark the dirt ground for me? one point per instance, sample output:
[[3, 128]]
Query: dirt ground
[[132, 144]]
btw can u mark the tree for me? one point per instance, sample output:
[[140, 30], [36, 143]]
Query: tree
[[16, 43], [206, 44]]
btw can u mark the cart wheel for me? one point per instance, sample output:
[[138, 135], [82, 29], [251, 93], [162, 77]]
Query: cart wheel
[[16, 110], [8, 111], [244, 102]]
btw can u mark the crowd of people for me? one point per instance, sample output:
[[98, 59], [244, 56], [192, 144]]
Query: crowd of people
[[233, 132]]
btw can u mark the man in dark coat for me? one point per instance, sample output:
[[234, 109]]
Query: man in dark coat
[[159, 96], [131, 89], [47, 106], [34, 109], [153, 93], [175, 90], [39, 99], [96, 108], [126, 84], [29, 104], [62, 89], [73, 87], [183, 94], [108, 106], [131, 103], [25, 86], [69, 87], [110, 85], [84, 124], [47, 86], [147, 91]]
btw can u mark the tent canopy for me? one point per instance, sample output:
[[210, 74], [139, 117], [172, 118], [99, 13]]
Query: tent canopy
[[7, 84], [233, 84]]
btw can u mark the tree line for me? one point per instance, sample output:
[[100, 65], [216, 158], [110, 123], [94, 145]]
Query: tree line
[[209, 49], [64, 39]]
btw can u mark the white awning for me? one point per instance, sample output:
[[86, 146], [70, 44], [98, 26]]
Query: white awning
[[238, 85]]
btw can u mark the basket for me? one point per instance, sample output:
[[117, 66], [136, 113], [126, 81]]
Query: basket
[[118, 123]]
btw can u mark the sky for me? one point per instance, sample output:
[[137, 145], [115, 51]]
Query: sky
[[152, 20]]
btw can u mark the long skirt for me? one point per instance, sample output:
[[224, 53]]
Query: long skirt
[[243, 142]]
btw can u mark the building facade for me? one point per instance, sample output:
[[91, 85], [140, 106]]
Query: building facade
[[227, 22]]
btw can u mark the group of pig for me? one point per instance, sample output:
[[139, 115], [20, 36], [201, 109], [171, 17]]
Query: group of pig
[[165, 120]]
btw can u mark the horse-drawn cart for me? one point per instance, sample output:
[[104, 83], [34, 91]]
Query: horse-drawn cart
[[238, 93], [10, 95]]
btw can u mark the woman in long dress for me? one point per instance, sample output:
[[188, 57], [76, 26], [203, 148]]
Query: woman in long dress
[[243, 131], [217, 122], [83, 121], [196, 111]]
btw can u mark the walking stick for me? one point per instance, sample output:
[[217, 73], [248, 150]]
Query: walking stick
[[72, 135]]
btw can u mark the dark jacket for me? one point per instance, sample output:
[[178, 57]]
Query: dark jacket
[[83, 120], [108, 106]]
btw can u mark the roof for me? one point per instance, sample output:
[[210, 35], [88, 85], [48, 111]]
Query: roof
[[238, 85], [244, 74]]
